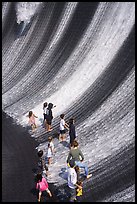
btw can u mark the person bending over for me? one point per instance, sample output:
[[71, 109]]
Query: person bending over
[[76, 154]]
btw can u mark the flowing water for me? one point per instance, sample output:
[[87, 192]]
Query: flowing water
[[79, 56]]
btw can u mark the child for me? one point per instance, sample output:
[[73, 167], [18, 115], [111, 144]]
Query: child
[[50, 150], [42, 185], [41, 163], [63, 125], [32, 120], [79, 191], [44, 113]]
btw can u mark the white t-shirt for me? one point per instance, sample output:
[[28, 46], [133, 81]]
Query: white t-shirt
[[49, 153], [44, 110], [62, 124], [72, 178], [52, 145], [50, 149]]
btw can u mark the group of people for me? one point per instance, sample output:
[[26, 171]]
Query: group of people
[[74, 160], [41, 181], [47, 121], [64, 127], [48, 116], [75, 163]]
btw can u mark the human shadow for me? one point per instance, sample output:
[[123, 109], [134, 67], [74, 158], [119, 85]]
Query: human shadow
[[64, 173], [65, 144]]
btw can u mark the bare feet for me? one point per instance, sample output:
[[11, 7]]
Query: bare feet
[[50, 130], [89, 175]]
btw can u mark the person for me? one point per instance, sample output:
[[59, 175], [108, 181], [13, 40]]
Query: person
[[72, 181], [79, 191], [41, 163], [72, 132], [32, 122], [49, 117], [77, 169], [42, 185], [50, 149], [44, 114], [76, 154], [63, 125]]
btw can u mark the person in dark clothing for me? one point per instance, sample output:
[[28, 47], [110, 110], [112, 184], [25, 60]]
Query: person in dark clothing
[[41, 163], [49, 116], [72, 132]]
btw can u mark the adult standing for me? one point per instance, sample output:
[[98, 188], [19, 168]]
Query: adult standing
[[72, 132], [49, 116]]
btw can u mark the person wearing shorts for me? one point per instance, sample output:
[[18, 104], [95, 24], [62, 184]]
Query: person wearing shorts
[[63, 127]]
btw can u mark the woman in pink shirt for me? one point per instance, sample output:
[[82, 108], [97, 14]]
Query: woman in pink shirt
[[42, 185]]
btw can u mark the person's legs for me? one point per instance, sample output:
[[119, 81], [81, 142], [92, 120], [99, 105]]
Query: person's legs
[[33, 127], [49, 125], [60, 137], [82, 165], [64, 137], [78, 199], [72, 194], [49, 160], [39, 196], [49, 128], [71, 142], [48, 191], [45, 124]]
